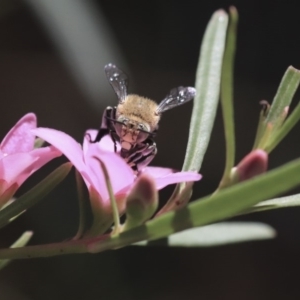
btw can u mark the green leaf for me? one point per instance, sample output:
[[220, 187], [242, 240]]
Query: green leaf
[[261, 123], [218, 234], [277, 113], [287, 126], [208, 87], [12, 200], [83, 202], [22, 241], [227, 95], [34, 195], [284, 95], [288, 201]]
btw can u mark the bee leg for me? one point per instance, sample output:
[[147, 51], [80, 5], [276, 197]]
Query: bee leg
[[106, 125], [145, 160], [101, 133], [143, 157], [113, 138]]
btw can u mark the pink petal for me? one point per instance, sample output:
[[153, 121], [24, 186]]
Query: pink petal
[[68, 146], [158, 171], [163, 181], [43, 156], [13, 167], [16, 168], [106, 143], [121, 175], [20, 138], [88, 136]]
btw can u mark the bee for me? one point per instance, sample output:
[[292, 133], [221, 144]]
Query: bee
[[134, 121]]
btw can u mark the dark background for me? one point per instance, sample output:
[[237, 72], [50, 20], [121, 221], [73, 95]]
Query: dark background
[[159, 42]]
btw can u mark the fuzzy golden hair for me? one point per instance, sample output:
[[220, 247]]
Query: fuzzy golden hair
[[139, 109]]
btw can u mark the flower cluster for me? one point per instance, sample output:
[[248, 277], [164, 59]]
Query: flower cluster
[[20, 159]]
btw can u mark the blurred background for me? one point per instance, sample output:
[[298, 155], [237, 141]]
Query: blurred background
[[52, 55]]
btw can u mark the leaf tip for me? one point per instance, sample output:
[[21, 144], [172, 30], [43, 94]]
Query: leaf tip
[[291, 68], [221, 15]]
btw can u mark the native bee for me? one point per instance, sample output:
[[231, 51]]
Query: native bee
[[134, 121]]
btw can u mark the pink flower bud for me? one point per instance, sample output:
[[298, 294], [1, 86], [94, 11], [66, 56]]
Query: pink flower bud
[[253, 164], [142, 202]]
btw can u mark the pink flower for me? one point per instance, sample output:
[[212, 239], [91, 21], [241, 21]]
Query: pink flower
[[19, 159], [86, 160]]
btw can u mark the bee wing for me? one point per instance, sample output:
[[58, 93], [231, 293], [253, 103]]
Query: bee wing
[[118, 80], [177, 96]]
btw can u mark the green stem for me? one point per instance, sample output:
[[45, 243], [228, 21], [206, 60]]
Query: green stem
[[70, 247], [20, 242]]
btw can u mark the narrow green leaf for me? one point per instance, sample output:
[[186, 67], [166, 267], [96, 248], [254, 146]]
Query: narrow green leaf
[[223, 233], [208, 87], [20, 242], [82, 203], [113, 202], [261, 123], [284, 95], [34, 195], [227, 94], [12, 200], [287, 126], [278, 110], [282, 202]]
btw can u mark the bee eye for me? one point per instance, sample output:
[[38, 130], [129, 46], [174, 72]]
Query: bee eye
[[123, 121], [143, 135], [142, 127]]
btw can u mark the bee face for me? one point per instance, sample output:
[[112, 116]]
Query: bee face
[[136, 119]]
